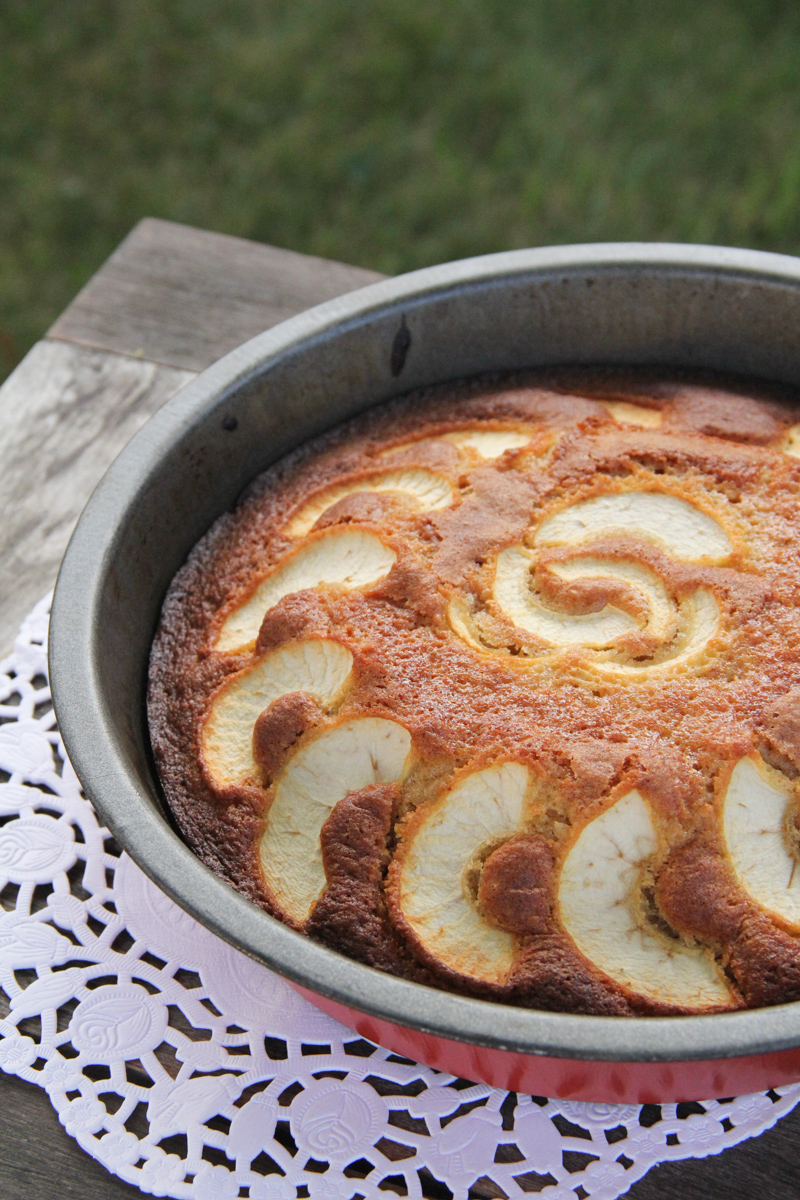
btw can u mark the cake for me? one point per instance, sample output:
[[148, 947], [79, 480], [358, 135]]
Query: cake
[[497, 688]]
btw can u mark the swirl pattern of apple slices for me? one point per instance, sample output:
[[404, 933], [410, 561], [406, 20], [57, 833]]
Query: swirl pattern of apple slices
[[603, 911], [678, 630], [599, 892], [756, 814], [424, 490], [345, 558], [318, 667], [331, 764]]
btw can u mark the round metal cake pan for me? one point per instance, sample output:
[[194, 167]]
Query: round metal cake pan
[[622, 304]]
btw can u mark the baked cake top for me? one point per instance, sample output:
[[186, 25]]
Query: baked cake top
[[496, 688]]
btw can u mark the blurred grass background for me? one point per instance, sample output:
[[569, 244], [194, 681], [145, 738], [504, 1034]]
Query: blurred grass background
[[392, 133]]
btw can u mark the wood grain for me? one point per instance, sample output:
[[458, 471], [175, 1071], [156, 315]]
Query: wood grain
[[166, 304], [39, 1161], [763, 1168], [65, 414], [184, 297]]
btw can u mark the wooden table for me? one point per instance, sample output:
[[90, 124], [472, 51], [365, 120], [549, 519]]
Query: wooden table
[[165, 305]]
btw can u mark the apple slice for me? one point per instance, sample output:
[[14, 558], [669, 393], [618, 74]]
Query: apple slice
[[700, 618], [661, 623], [452, 832], [488, 443], [463, 626], [671, 523], [341, 760], [421, 488], [347, 558], [682, 628], [756, 808], [484, 443], [319, 667], [602, 911], [625, 413], [595, 630], [791, 442]]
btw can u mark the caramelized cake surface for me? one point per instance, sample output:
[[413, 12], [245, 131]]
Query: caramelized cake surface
[[498, 688]]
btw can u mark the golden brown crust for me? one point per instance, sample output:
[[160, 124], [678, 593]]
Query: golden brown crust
[[279, 728], [472, 687], [516, 887]]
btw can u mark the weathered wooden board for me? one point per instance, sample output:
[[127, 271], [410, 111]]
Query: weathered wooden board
[[184, 297], [765, 1168], [39, 1161], [167, 303], [65, 414]]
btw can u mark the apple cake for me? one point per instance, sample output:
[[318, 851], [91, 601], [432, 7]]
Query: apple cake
[[497, 688]]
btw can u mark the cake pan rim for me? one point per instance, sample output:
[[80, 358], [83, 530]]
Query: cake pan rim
[[526, 1030]]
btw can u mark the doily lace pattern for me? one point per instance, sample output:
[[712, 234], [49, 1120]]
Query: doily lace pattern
[[190, 1071]]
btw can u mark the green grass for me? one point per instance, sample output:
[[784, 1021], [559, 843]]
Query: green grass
[[391, 133]]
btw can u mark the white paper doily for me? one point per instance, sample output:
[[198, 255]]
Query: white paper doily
[[190, 1071]]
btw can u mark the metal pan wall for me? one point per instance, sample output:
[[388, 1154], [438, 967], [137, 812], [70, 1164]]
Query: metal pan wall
[[683, 306]]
